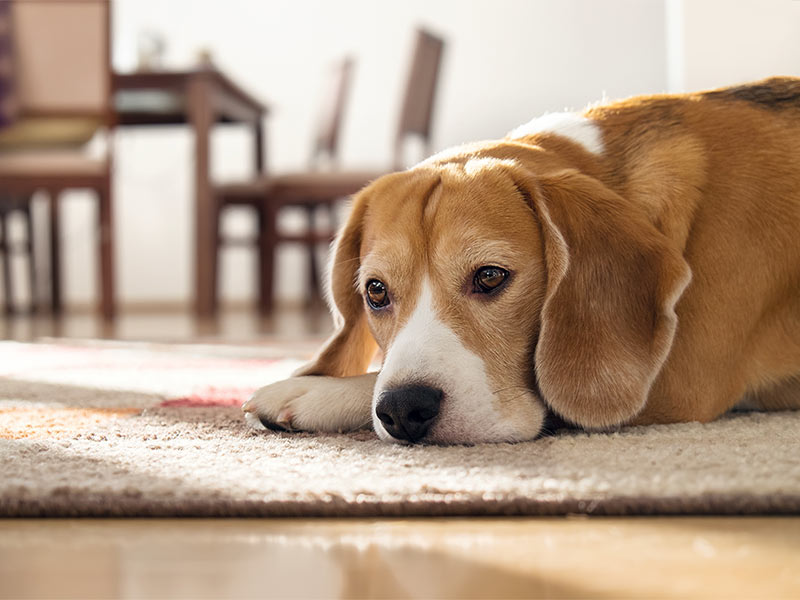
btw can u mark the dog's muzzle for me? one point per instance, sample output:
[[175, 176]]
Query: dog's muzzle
[[408, 412]]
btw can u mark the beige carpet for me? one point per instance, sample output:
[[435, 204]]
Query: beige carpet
[[134, 430]]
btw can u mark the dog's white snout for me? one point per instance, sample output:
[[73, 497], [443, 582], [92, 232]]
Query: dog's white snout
[[428, 354]]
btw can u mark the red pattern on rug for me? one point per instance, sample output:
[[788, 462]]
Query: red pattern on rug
[[213, 396]]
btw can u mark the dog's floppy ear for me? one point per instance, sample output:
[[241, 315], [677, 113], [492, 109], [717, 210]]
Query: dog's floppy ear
[[608, 317], [351, 347]]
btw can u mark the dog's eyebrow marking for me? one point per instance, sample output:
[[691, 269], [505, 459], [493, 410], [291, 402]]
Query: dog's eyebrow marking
[[371, 267], [483, 251], [388, 261], [570, 125]]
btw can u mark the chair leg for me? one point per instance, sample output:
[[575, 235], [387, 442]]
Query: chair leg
[[267, 242], [106, 251], [216, 263], [313, 271], [55, 253], [30, 247], [5, 250]]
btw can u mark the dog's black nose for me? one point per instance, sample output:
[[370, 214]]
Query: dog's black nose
[[408, 412]]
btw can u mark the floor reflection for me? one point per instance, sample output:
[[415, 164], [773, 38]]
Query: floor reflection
[[419, 558]]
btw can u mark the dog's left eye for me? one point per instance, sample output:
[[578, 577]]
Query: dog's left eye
[[489, 279], [377, 295]]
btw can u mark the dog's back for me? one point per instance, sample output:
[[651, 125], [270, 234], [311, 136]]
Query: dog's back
[[780, 94]]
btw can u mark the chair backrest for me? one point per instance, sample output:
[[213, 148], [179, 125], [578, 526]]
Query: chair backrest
[[63, 57], [329, 122], [416, 115]]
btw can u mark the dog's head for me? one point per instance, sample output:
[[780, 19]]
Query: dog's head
[[494, 290]]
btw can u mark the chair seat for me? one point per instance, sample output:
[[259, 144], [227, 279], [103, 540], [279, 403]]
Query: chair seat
[[50, 163], [308, 187], [48, 132], [321, 185], [242, 192]]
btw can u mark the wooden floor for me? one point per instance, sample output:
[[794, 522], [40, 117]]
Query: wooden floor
[[657, 557], [422, 558]]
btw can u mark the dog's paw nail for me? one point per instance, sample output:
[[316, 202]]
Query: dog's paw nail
[[253, 421]]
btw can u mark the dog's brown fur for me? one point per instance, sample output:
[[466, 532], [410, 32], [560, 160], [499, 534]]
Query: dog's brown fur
[[705, 185]]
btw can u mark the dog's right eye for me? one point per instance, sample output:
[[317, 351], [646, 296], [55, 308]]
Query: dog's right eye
[[377, 295]]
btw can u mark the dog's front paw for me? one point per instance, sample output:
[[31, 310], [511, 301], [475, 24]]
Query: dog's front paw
[[313, 403]]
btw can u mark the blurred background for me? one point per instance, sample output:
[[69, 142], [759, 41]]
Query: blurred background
[[137, 226]]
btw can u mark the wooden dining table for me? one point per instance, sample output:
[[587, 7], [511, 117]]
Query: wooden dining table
[[200, 99]]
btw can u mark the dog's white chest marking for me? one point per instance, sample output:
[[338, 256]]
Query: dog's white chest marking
[[579, 129]]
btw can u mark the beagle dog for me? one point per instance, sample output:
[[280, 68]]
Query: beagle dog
[[635, 263]]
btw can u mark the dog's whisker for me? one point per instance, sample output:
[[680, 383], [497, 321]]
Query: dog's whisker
[[521, 395]]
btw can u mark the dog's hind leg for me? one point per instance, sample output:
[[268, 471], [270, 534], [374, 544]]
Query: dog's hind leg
[[313, 403]]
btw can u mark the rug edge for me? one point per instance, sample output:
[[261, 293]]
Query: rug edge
[[709, 504]]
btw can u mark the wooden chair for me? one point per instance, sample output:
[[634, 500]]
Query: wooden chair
[[63, 86], [252, 193], [323, 188]]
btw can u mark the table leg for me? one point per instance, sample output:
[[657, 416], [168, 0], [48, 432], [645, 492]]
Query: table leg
[[201, 118]]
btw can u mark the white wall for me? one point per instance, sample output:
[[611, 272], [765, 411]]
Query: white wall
[[719, 42], [505, 61]]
